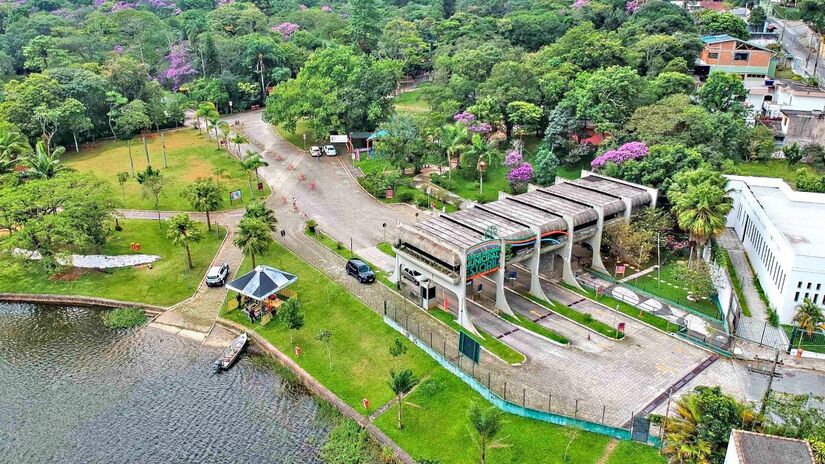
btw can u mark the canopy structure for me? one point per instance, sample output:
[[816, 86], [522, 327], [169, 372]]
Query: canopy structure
[[262, 282]]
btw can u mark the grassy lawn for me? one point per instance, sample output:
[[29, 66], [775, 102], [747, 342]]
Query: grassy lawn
[[536, 328], [635, 313], [339, 249], [189, 155], [814, 343], [297, 138], [168, 282], [627, 452], [573, 171], [386, 248], [438, 427], [495, 180], [671, 289], [490, 343], [723, 256], [772, 168], [411, 102], [582, 318]]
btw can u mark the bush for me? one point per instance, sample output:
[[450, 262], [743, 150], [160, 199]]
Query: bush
[[422, 201], [124, 318], [588, 318], [348, 443], [431, 387], [443, 181], [773, 317], [405, 196], [377, 183], [311, 225]]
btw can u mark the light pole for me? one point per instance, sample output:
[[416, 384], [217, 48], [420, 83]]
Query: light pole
[[230, 106]]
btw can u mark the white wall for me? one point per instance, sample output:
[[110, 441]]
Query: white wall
[[784, 99], [731, 457]]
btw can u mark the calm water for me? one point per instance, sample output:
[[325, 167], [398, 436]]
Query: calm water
[[72, 390]]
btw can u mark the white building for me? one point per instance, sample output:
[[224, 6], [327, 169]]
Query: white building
[[792, 95], [783, 233]]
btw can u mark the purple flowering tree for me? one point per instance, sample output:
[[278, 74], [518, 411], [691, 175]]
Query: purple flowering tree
[[628, 151], [286, 29], [465, 117], [520, 176], [120, 6], [326, 8], [180, 67], [580, 4], [631, 6], [118, 49], [513, 159]]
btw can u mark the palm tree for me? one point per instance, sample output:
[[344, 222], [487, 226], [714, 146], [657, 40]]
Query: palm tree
[[206, 110], [238, 139], [702, 211], [251, 163], [258, 210], [205, 195], [453, 138], [183, 231], [42, 163], [253, 237], [808, 316], [225, 129], [12, 145], [484, 153], [401, 383], [487, 423]]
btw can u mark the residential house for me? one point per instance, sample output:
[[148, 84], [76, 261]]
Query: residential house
[[729, 54], [756, 448], [803, 127], [793, 95]]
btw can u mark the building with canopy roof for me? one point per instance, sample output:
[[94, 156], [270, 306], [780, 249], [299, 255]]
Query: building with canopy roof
[[453, 249]]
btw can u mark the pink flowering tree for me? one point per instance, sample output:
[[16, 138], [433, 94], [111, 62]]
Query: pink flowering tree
[[326, 8], [580, 4], [520, 176], [180, 67], [465, 117], [286, 29], [628, 151], [631, 6]]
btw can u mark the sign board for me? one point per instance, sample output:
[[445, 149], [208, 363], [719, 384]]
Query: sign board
[[236, 195], [483, 261], [469, 347], [337, 138], [641, 429]]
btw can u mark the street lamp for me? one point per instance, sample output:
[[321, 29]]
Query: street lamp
[[482, 167], [230, 106]]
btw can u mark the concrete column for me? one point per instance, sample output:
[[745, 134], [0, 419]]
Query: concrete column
[[396, 275], [461, 292], [595, 241], [501, 297], [628, 209], [535, 263], [567, 256]]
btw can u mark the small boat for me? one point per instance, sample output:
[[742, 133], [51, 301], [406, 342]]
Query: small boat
[[231, 353]]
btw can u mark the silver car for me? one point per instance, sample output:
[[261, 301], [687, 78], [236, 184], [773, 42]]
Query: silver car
[[414, 276], [315, 151], [329, 150]]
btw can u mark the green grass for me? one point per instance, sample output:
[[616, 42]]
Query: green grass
[[168, 282], [437, 427], [635, 313], [492, 344], [674, 292], [723, 257], [386, 248], [375, 164], [573, 171], [495, 180], [411, 102], [297, 138], [772, 168], [814, 343], [189, 155], [627, 452], [581, 318], [536, 328], [124, 318], [339, 249]]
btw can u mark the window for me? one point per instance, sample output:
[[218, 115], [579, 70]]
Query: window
[[809, 286], [796, 297], [818, 286], [816, 297], [799, 284], [741, 56], [713, 56]]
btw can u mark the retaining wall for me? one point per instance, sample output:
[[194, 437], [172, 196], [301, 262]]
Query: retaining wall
[[76, 300]]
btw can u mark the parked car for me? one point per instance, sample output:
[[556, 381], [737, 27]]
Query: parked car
[[315, 151], [329, 150], [360, 270], [413, 276], [217, 275]]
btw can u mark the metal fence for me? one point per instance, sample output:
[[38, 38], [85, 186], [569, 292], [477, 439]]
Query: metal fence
[[489, 375], [815, 341]]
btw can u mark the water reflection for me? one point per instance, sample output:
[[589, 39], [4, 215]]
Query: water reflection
[[72, 390]]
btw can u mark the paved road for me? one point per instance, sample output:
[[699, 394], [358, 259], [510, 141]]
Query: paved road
[[796, 39]]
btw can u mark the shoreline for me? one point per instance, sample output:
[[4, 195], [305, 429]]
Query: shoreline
[[78, 300]]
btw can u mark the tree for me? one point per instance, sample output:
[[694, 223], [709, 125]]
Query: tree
[[207, 111], [510, 81], [43, 163], [672, 83], [402, 383], [131, 118], [700, 431], [70, 114], [712, 22], [525, 115], [813, 12], [453, 139], [183, 231], [762, 144], [205, 195], [673, 120], [401, 41], [152, 184], [700, 204], [487, 423], [607, 97], [12, 146], [696, 278], [290, 314], [43, 52], [258, 210], [546, 164], [722, 92], [325, 336], [397, 348], [253, 237], [629, 243], [757, 18], [658, 167], [480, 152], [808, 316], [364, 20], [252, 163], [236, 19], [404, 143], [122, 178]]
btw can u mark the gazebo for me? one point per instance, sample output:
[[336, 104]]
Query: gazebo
[[263, 284]]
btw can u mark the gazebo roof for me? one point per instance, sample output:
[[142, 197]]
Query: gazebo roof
[[262, 282]]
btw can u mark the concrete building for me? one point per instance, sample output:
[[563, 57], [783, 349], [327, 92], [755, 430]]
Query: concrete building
[[793, 95], [756, 448], [541, 225], [783, 234], [802, 127], [729, 54]]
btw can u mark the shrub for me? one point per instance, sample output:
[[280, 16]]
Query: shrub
[[588, 318], [431, 387], [124, 318], [422, 201], [339, 245], [405, 196], [773, 317], [442, 181], [311, 225]]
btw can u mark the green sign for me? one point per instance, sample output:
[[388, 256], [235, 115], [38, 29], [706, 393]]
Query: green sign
[[469, 347], [483, 261]]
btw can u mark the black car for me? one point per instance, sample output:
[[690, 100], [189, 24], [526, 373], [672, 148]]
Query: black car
[[360, 270]]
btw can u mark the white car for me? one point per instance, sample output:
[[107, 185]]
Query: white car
[[329, 150], [315, 151], [414, 276], [217, 275]]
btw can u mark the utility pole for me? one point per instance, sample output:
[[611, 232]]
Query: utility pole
[[770, 384], [658, 261]]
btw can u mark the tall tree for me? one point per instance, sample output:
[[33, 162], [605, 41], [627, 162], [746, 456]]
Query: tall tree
[[260, 211], [44, 163], [722, 92], [205, 195], [364, 23], [453, 139], [12, 146], [290, 314], [808, 316], [487, 423], [700, 204], [402, 383], [183, 231], [152, 185], [253, 237], [251, 164]]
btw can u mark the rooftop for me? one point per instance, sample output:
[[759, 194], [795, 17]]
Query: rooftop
[[757, 448], [714, 39], [799, 216]]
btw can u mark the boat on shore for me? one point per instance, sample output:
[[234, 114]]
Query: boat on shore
[[231, 354]]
